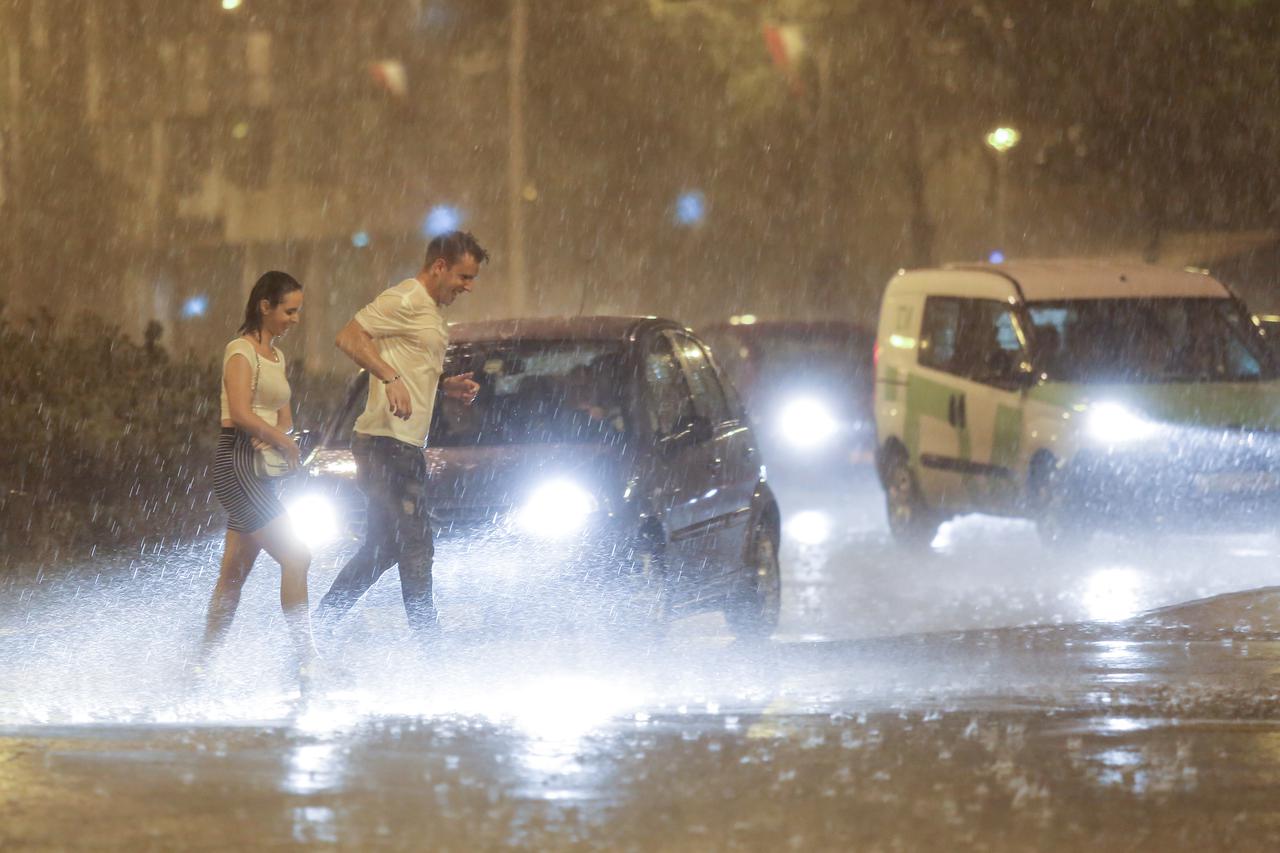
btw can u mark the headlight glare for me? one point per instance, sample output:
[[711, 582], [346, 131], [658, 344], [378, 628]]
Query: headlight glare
[[807, 422], [1115, 424], [314, 519], [556, 509]]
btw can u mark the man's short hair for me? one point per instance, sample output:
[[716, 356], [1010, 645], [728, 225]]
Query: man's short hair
[[452, 246]]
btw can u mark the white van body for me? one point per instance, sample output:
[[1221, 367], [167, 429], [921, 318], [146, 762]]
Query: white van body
[[1073, 392]]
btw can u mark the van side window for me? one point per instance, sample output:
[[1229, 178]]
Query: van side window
[[991, 347], [940, 333]]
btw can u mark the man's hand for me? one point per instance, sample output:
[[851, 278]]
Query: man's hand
[[398, 399], [461, 387]]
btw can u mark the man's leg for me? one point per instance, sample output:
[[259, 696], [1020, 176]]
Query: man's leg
[[417, 550], [379, 551]]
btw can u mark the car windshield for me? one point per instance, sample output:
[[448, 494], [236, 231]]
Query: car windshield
[[534, 392], [1147, 340]]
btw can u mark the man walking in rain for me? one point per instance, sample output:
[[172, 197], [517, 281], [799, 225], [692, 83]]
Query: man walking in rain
[[400, 339]]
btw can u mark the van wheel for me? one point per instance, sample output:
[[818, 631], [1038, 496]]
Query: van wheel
[[910, 522], [1057, 521], [755, 605]]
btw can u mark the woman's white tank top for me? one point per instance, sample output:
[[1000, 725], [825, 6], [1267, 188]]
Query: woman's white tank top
[[273, 385]]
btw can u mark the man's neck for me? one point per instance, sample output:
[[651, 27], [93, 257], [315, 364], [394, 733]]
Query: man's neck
[[424, 279]]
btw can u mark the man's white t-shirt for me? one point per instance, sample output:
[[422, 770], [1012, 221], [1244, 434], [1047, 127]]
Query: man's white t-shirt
[[411, 336]]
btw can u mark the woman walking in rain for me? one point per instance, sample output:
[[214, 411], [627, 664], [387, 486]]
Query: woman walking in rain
[[256, 416]]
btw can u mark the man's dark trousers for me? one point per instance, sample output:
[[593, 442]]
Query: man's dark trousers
[[392, 476]]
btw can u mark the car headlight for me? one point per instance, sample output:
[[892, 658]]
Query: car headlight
[[807, 423], [556, 508], [1116, 424], [314, 518]]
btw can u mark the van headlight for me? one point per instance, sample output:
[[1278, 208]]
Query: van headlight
[[1114, 423], [314, 518], [807, 422], [556, 509]]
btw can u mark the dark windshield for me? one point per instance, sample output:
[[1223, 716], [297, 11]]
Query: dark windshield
[[1147, 340], [534, 392], [785, 357]]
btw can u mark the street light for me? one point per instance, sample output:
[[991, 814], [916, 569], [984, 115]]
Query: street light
[[230, 5], [1001, 140]]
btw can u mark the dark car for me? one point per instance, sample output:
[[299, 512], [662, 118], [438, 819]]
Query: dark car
[[807, 387], [612, 442]]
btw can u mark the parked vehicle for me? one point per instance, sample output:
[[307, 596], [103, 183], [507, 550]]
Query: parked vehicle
[[807, 387], [613, 442], [1079, 394]]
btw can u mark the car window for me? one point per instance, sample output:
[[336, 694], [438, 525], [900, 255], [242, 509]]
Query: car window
[[669, 400], [339, 429], [940, 333], [991, 346], [708, 395]]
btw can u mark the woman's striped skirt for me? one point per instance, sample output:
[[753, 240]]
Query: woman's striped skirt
[[250, 501]]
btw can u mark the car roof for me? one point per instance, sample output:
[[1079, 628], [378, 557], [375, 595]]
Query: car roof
[[1070, 278], [593, 328], [801, 328]]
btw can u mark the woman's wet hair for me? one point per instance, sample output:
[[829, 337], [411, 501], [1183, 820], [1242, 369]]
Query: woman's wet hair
[[272, 286]]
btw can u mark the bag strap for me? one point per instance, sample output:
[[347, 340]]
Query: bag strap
[[257, 368]]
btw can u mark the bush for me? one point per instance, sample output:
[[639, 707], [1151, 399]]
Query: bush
[[107, 441]]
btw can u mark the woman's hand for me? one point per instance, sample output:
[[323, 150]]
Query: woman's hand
[[293, 454], [287, 447]]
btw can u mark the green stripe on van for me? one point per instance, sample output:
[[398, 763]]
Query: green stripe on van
[[929, 399]]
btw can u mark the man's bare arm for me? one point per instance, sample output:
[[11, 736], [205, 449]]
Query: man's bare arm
[[357, 345]]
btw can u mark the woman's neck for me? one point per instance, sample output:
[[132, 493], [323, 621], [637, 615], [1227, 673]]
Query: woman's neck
[[261, 338]]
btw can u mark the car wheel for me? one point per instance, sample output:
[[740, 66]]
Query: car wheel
[[911, 522], [756, 603], [1058, 522]]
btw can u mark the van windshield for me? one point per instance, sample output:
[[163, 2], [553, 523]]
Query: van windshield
[[1148, 340]]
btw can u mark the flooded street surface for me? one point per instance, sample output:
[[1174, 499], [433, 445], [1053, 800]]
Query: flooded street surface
[[989, 694]]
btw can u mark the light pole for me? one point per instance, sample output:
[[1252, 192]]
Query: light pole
[[1001, 140], [517, 50]]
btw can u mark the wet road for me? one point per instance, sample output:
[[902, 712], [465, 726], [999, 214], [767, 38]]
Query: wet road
[[988, 695]]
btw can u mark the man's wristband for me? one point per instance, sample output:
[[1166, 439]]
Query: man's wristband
[[389, 381]]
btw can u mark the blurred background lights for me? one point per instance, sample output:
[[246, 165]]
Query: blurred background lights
[[809, 527], [691, 208], [1003, 138], [230, 5], [1111, 594], [196, 306], [360, 239], [996, 257], [440, 219]]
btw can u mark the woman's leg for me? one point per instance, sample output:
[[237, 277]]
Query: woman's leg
[[237, 559], [279, 540]]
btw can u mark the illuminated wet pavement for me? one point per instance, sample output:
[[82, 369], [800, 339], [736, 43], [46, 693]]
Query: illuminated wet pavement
[[989, 695]]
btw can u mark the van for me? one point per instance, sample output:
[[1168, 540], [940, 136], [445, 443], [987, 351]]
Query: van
[[1083, 395]]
